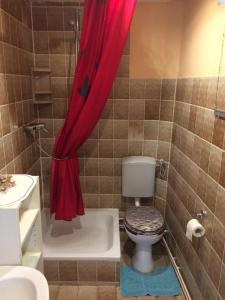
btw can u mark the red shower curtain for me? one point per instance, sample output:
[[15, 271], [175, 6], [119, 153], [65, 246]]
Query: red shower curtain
[[104, 31]]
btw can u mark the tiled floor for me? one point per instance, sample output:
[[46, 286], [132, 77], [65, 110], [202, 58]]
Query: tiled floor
[[95, 293], [105, 291]]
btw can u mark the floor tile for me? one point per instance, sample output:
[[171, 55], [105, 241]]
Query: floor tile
[[160, 260], [146, 298], [165, 298], [67, 292], [181, 297], [107, 293], [87, 293], [53, 292], [119, 297]]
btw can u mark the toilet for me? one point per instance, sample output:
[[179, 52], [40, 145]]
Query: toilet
[[144, 225]]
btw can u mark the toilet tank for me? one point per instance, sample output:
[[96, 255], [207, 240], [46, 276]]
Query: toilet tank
[[138, 176]]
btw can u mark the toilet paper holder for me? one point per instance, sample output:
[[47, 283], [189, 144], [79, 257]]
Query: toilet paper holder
[[201, 214]]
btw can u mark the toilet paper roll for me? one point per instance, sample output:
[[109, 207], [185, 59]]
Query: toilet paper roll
[[194, 228]]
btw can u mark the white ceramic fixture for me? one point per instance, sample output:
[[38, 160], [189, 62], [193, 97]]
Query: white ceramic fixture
[[138, 181], [18, 193], [22, 283], [20, 223], [138, 176], [94, 236], [142, 258]]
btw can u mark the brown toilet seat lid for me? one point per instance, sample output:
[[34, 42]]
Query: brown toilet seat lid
[[144, 220]]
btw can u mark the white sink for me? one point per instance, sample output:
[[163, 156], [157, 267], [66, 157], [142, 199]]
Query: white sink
[[24, 185], [22, 283]]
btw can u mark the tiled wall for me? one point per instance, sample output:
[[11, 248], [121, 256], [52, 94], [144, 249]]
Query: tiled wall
[[54, 47], [197, 181], [18, 154], [82, 272], [135, 120]]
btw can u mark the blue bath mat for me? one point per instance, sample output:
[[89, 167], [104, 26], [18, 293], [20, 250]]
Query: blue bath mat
[[161, 282]]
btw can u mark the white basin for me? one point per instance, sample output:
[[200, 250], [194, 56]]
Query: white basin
[[24, 185], [22, 283]]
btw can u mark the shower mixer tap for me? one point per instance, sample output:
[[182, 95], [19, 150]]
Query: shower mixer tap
[[32, 128]]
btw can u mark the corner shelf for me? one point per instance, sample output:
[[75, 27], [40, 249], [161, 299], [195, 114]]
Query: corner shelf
[[37, 102], [27, 221], [43, 92], [41, 70], [31, 259], [41, 83]]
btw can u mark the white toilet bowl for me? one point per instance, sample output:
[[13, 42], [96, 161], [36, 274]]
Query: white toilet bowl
[[142, 260], [144, 224], [145, 227]]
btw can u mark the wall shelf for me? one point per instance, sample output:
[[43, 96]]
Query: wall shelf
[[43, 92], [27, 221], [42, 102], [31, 259], [41, 70], [41, 84]]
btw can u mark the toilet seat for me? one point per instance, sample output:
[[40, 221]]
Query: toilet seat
[[144, 220]]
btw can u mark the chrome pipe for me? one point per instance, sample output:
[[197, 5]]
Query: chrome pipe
[[177, 271]]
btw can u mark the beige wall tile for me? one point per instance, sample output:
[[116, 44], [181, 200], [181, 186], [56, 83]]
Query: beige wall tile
[[106, 184], [123, 70], [106, 148], [91, 166], [108, 112], [51, 270], [106, 167], [151, 130], [92, 184], [105, 129], [165, 131], [121, 88], [153, 89], [106, 271], [136, 130], [152, 110], [135, 148], [91, 148], [67, 270], [120, 148], [150, 148], [136, 109], [168, 89], [163, 151], [87, 271], [121, 109], [91, 200], [106, 201], [120, 129]]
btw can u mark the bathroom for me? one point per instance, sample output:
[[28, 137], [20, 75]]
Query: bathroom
[[167, 102]]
